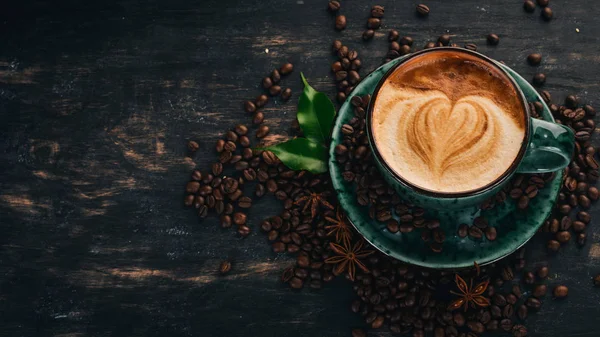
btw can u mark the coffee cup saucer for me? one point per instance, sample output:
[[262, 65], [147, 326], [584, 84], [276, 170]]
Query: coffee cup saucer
[[514, 227]]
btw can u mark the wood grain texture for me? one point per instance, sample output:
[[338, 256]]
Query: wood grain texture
[[97, 100]]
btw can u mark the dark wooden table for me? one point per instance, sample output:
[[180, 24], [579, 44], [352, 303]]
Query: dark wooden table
[[97, 101]]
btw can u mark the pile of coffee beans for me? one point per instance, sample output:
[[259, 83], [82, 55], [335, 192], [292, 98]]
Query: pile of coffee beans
[[546, 13], [345, 69], [390, 294], [398, 46], [374, 22]]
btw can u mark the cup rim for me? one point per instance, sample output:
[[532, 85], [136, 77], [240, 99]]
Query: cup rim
[[448, 195]]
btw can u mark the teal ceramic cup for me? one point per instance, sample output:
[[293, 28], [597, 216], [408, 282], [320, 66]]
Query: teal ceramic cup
[[546, 147]]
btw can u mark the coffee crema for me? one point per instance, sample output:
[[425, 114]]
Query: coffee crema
[[448, 122]]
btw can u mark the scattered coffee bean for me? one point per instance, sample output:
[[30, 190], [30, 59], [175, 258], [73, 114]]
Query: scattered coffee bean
[[334, 6], [471, 46], [547, 14], [422, 10], [377, 11], [340, 22], [368, 34], [286, 94], [373, 23], [529, 6], [225, 267], [275, 76], [534, 59], [539, 290], [493, 39], [539, 79], [193, 146], [262, 131], [249, 106], [560, 291]]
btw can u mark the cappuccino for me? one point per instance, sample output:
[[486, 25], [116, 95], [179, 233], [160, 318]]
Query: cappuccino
[[448, 122]]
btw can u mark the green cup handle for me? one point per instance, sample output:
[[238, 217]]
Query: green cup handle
[[550, 148]]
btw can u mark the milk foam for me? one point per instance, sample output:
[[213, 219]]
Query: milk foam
[[444, 140]]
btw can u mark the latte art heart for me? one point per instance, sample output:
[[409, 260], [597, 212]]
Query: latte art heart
[[441, 145]]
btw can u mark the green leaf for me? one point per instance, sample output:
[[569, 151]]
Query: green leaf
[[315, 114], [301, 154]]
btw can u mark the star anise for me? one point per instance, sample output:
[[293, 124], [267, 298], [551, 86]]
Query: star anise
[[339, 227], [469, 295], [313, 200], [348, 258]]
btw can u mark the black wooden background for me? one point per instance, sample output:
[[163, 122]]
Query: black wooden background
[[97, 101]]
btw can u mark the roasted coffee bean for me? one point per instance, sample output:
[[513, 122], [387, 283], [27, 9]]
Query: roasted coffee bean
[[547, 13], [244, 202], [340, 22], [422, 10], [334, 6], [193, 146], [560, 291], [519, 330], [393, 35], [286, 94], [591, 162], [199, 201], [534, 59], [258, 118], [543, 3], [582, 135], [192, 187], [493, 39], [529, 6], [249, 106], [225, 221], [368, 34], [196, 175], [506, 324], [239, 218], [533, 303], [262, 131], [444, 40], [553, 245], [406, 41], [353, 77], [507, 273], [373, 23], [475, 233], [377, 11], [516, 290], [584, 202], [267, 83], [542, 272], [392, 226], [203, 211], [539, 79], [275, 76], [539, 290], [471, 46], [528, 278], [429, 45], [275, 90], [261, 101], [578, 226], [225, 267], [189, 200]]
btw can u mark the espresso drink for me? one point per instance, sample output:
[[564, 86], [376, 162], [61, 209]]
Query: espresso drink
[[448, 121]]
